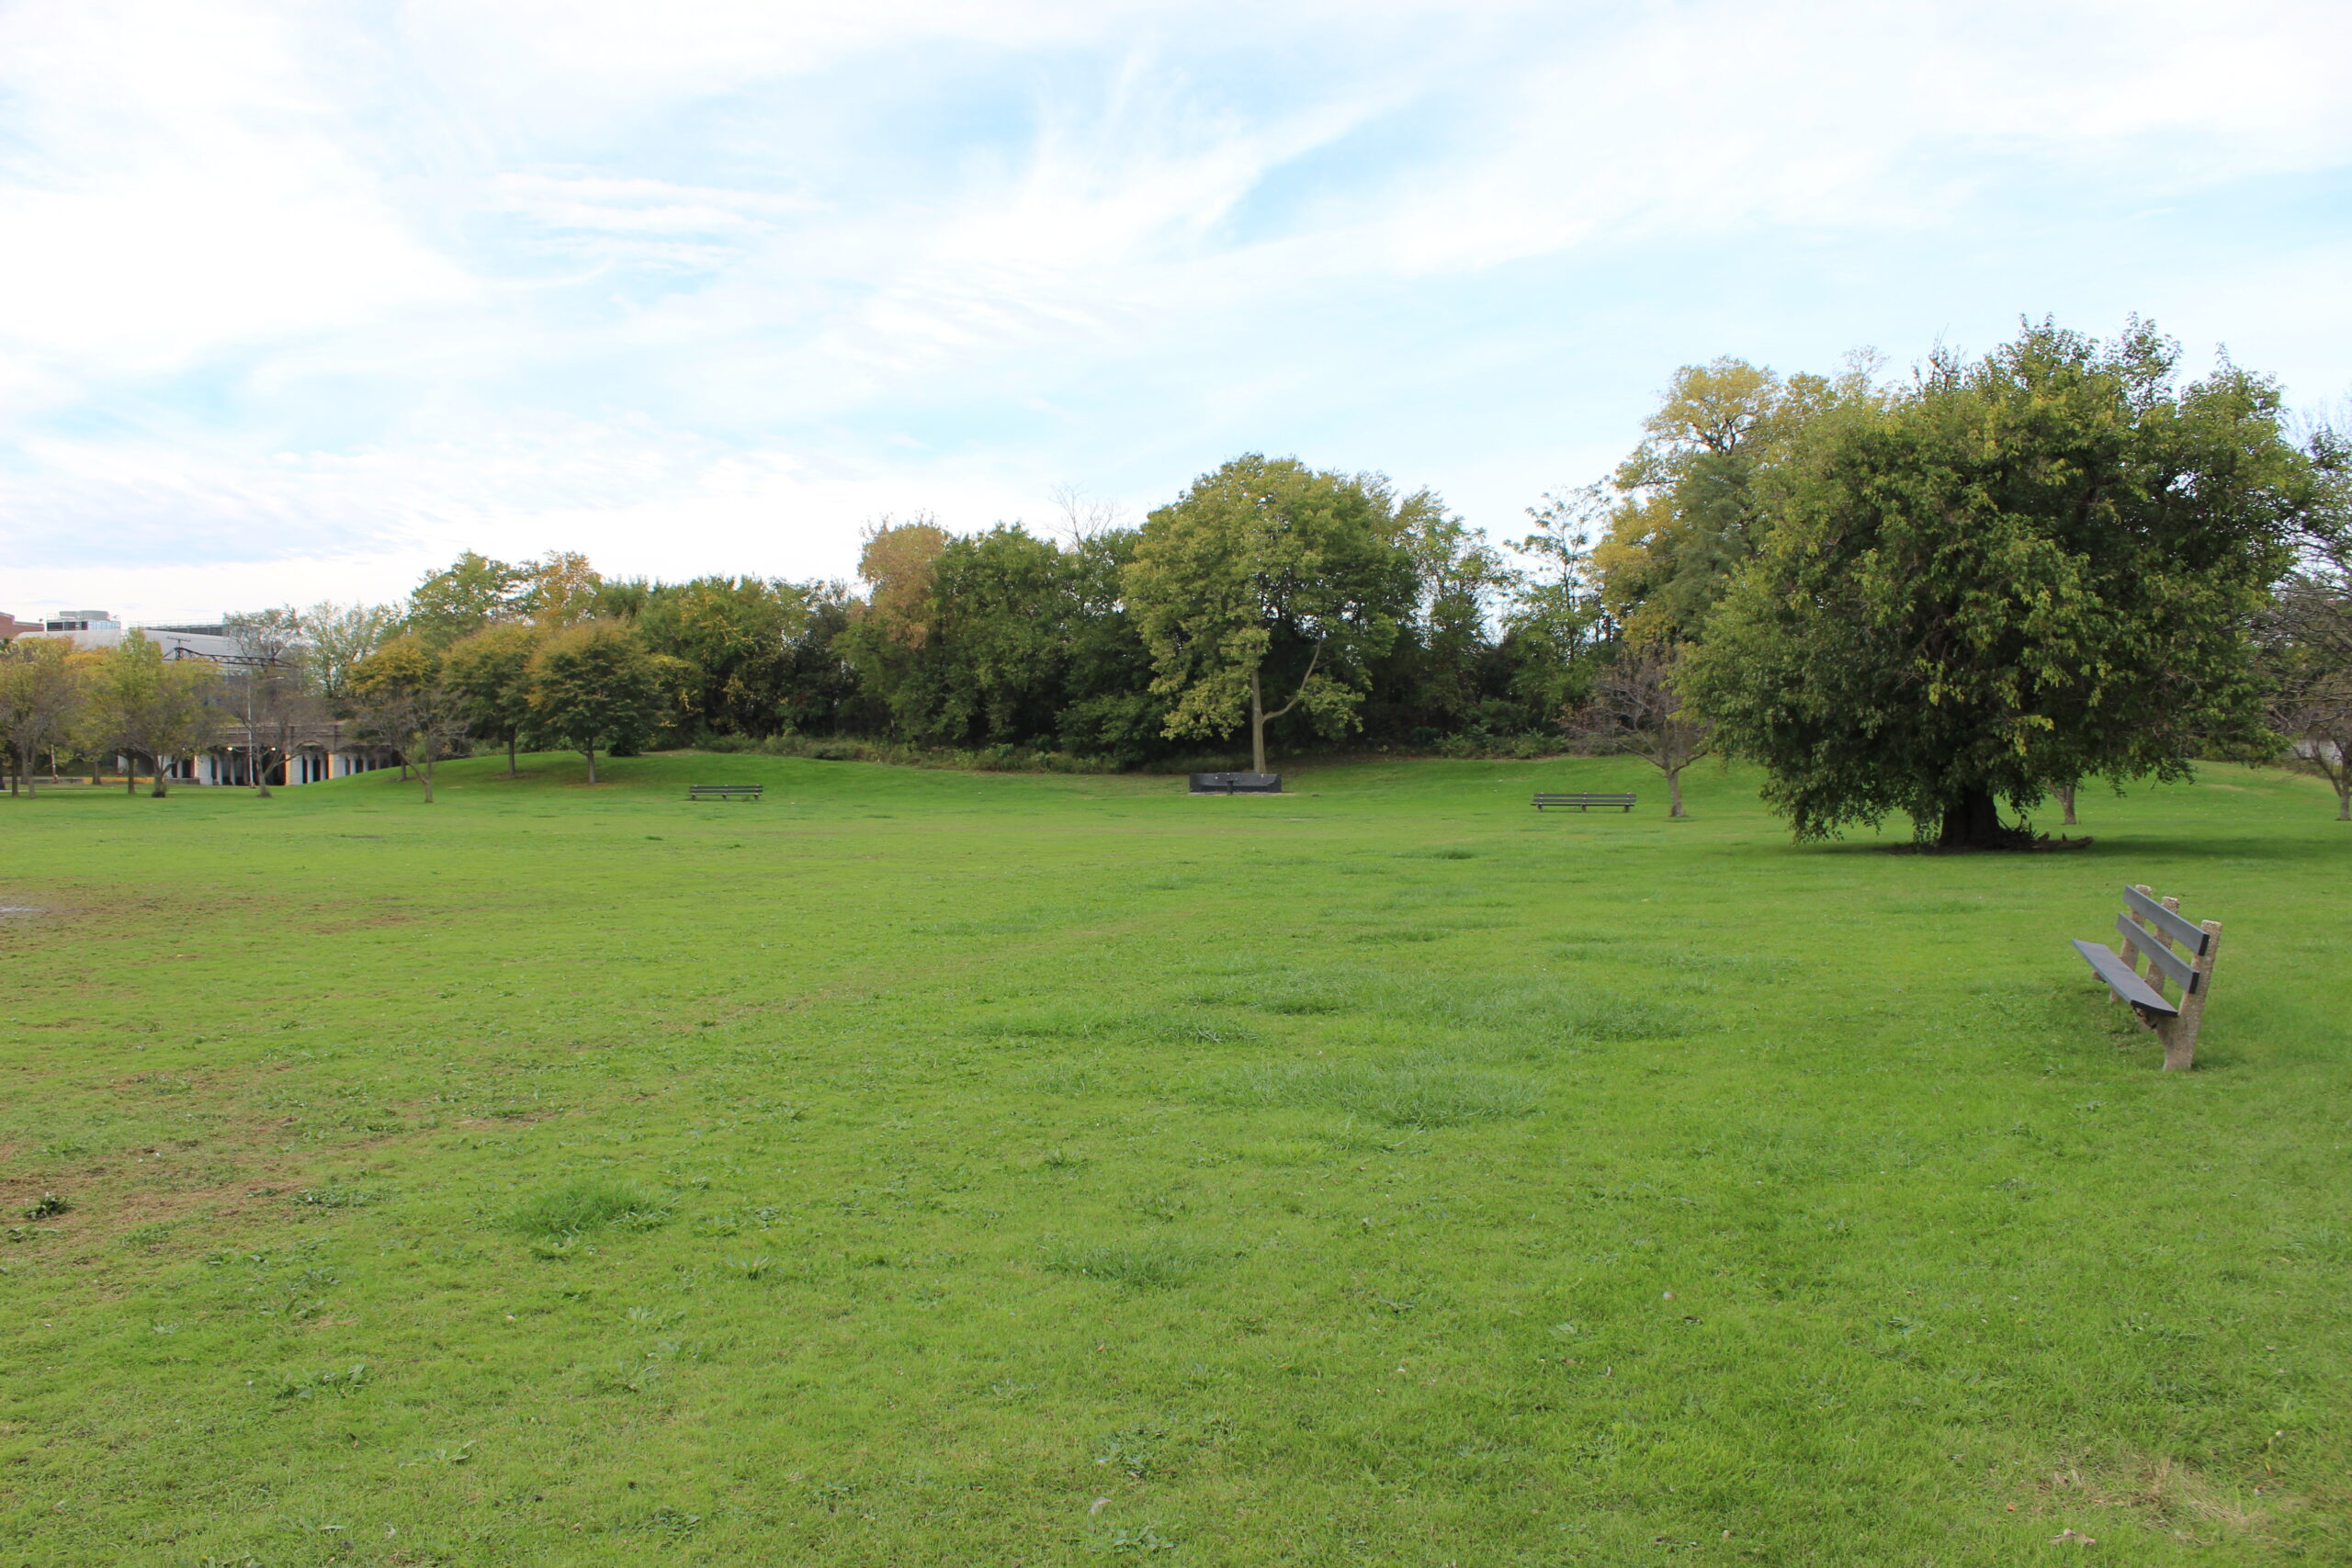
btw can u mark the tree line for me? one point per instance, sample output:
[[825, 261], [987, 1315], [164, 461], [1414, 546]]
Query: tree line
[[1988, 584]]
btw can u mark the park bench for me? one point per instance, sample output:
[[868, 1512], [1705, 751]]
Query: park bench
[[1237, 783], [2152, 925], [724, 792], [1584, 802]]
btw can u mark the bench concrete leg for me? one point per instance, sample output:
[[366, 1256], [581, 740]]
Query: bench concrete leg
[[2180, 1034]]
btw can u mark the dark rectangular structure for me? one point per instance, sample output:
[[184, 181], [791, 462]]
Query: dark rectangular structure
[[1237, 783]]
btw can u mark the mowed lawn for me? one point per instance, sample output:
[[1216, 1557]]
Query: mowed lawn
[[929, 1168]]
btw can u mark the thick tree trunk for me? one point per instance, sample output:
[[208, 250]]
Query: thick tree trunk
[[2344, 799], [1974, 822], [2066, 799], [130, 773], [159, 789], [1674, 792], [592, 764], [511, 771]]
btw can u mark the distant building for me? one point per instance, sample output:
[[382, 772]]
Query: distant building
[[318, 750]]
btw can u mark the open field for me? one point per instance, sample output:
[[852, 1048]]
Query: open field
[[925, 1168]]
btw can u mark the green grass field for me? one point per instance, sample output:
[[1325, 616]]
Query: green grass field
[[929, 1168]]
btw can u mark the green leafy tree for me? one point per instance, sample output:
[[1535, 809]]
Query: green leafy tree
[[1268, 575], [489, 674], [595, 687], [2027, 571], [42, 694], [403, 689], [469, 593]]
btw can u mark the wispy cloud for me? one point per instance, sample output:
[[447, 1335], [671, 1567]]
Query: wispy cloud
[[316, 292]]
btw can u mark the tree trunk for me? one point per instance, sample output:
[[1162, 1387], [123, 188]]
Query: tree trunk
[[511, 771], [1674, 792], [253, 765], [592, 764], [158, 790], [1257, 725], [130, 773], [2344, 799], [2066, 799], [1974, 822]]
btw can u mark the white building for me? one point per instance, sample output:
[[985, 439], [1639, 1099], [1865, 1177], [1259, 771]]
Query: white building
[[323, 749]]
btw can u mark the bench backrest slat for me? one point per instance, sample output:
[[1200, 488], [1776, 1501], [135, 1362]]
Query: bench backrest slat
[[2169, 921], [2175, 967]]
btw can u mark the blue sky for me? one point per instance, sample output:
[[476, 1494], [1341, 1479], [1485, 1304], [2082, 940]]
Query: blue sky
[[297, 301]]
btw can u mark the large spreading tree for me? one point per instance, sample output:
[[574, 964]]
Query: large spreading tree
[[1272, 581], [2027, 571]]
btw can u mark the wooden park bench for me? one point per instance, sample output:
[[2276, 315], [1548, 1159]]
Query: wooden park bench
[[724, 792], [2152, 925], [1584, 802]]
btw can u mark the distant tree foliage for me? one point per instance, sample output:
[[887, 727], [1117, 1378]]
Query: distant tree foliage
[[1989, 585]]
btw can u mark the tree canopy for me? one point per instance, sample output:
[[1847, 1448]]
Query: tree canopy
[[2025, 571], [1268, 576]]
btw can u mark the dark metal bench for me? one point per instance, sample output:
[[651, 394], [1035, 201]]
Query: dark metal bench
[[724, 792], [1237, 783], [1584, 802], [2152, 926]]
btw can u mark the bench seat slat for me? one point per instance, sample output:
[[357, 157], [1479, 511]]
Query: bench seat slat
[[2121, 980], [2169, 921], [2175, 967]]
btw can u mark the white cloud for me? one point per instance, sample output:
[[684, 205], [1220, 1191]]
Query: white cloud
[[701, 286]]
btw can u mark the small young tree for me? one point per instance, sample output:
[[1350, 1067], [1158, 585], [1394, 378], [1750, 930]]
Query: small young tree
[[41, 693], [266, 683], [402, 688], [2305, 639], [489, 674], [1635, 708], [595, 687]]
